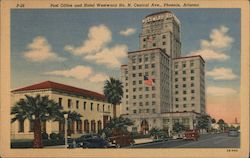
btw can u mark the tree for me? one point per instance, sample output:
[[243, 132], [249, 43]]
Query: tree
[[178, 127], [221, 124], [37, 109], [72, 117], [117, 125], [113, 91], [203, 122]]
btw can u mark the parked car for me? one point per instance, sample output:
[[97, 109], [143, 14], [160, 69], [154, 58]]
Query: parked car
[[97, 143], [191, 135], [233, 133], [122, 140], [178, 136]]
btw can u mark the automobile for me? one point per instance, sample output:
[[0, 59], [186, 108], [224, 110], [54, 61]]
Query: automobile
[[233, 133], [86, 137], [122, 140], [97, 143], [191, 135], [178, 136]]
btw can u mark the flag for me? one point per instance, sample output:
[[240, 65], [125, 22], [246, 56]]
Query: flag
[[147, 81]]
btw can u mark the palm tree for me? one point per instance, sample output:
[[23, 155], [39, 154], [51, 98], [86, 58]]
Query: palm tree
[[117, 125], [72, 116], [203, 122], [113, 91], [37, 109]]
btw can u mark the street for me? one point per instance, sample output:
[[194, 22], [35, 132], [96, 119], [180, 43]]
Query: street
[[205, 141]]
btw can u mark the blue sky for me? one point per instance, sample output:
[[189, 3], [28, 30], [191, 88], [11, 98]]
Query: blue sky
[[63, 35]]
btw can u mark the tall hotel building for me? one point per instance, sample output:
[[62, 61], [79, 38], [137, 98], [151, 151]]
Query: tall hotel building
[[178, 90]]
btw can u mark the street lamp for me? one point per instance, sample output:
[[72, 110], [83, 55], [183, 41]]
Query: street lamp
[[65, 130]]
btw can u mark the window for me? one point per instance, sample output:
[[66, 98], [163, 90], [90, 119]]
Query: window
[[126, 84], [153, 72], [192, 98], [91, 106], [153, 102], [146, 66], [163, 43], [140, 88], [176, 92], [139, 59], [176, 106], [126, 90], [147, 103], [192, 91], [176, 86], [191, 64], [126, 96], [184, 92], [184, 98], [134, 89], [154, 44], [176, 66], [184, 85], [140, 81], [152, 57], [153, 88], [69, 103], [184, 72], [134, 96], [134, 111], [60, 102], [134, 104], [176, 99], [153, 110], [98, 108], [141, 104], [140, 67], [193, 105], [153, 95], [192, 71], [192, 84], [134, 67], [146, 89], [126, 78], [146, 73], [134, 82], [176, 79], [184, 78], [84, 105], [140, 96], [146, 58], [146, 96], [192, 78], [163, 36], [140, 74], [153, 65], [127, 108], [133, 59], [144, 39], [77, 104], [134, 75], [176, 72], [183, 65]]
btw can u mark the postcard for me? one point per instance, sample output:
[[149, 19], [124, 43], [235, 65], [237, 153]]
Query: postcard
[[124, 78]]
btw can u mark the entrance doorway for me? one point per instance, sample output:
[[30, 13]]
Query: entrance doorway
[[144, 127]]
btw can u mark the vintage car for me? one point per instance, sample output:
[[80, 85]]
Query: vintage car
[[191, 135], [122, 140], [233, 133]]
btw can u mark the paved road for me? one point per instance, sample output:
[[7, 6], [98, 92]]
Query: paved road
[[205, 141]]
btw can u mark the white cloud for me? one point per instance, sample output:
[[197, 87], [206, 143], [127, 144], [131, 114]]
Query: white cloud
[[209, 54], [79, 72], [98, 78], [96, 48], [109, 56], [98, 37], [219, 39], [40, 50], [214, 48], [220, 91], [128, 32], [222, 74]]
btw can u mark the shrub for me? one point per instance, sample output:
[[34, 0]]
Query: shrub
[[22, 144], [45, 135], [53, 136], [60, 136]]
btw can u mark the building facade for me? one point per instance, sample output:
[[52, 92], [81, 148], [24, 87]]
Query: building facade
[[91, 105], [177, 93]]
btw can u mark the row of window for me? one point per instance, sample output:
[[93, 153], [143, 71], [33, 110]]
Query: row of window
[[184, 105], [184, 72], [192, 78], [146, 103], [70, 105], [184, 86], [146, 66], [142, 111], [185, 92], [184, 64], [146, 57]]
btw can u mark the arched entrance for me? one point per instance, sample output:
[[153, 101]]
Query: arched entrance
[[144, 127]]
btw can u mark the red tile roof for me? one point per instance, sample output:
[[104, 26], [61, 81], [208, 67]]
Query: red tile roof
[[64, 88]]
